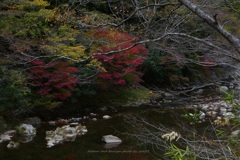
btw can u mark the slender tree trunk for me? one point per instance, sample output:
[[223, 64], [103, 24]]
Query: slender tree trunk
[[212, 21]]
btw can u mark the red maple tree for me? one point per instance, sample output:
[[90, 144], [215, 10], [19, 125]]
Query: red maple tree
[[121, 66], [54, 78]]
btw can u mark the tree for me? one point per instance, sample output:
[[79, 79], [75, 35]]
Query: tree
[[119, 68], [55, 78]]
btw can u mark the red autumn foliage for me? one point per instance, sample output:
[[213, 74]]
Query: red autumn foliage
[[122, 64], [54, 78]]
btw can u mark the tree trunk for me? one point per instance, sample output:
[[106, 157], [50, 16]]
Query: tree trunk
[[212, 21]]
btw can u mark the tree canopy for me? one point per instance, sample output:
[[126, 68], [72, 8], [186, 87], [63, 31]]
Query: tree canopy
[[59, 47]]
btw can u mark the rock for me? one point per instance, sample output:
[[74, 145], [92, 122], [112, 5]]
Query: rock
[[52, 123], [74, 124], [106, 117], [85, 117], [205, 107], [5, 138], [26, 130], [64, 133], [76, 119], [11, 132], [202, 115], [35, 121], [111, 139], [12, 145], [94, 119], [168, 95], [223, 110], [223, 89], [93, 114], [235, 133], [229, 115], [231, 85]]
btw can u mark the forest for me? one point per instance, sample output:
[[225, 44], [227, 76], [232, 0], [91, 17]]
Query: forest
[[64, 57]]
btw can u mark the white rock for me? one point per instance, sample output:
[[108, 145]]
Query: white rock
[[168, 95], [10, 132], [70, 137], [106, 117], [85, 117], [111, 139], [27, 130], [94, 119], [223, 110], [93, 114], [51, 143], [223, 89], [202, 115], [229, 115], [52, 123], [235, 133], [74, 124], [205, 107], [5, 138], [12, 145]]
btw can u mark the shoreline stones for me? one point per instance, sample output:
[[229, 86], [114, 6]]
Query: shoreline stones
[[215, 110]]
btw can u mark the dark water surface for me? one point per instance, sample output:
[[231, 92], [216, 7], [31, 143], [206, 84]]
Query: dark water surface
[[86, 147], [90, 146]]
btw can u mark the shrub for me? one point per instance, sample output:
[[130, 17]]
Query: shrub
[[54, 78]]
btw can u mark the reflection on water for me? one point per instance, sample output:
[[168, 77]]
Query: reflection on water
[[90, 146], [81, 148]]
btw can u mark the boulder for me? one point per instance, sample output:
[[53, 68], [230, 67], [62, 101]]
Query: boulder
[[26, 130], [64, 133], [111, 139], [5, 138]]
